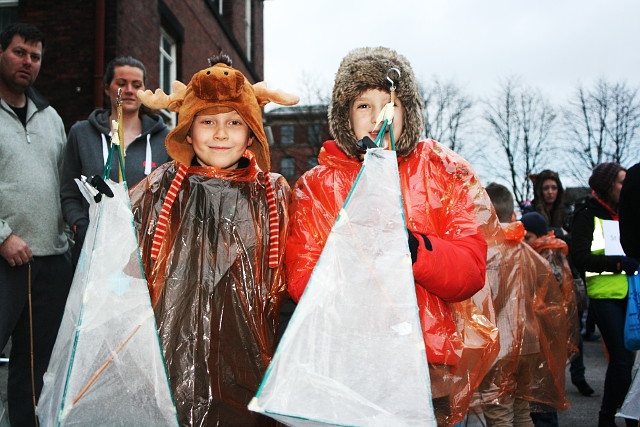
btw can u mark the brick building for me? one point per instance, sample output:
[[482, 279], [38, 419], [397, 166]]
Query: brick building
[[295, 137], [173, 38]]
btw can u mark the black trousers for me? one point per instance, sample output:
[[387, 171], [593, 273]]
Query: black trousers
[[51, 278], [610, 315]]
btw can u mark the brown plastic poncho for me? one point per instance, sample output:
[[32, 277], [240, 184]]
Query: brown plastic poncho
[[215, 298], [532, 323]]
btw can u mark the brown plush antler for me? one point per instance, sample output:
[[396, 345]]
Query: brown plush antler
[[158, 100], [265, 95]]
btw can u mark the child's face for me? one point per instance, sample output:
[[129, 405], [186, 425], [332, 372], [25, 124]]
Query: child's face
[[364, 113], [530, 237], [219, 140]]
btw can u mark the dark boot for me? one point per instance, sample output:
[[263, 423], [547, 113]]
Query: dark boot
[[606, 419], [584, 388]]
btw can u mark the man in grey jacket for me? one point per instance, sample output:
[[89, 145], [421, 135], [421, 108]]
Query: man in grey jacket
[[35, 264]]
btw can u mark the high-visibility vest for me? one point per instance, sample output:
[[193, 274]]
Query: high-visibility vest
[[604, 285]]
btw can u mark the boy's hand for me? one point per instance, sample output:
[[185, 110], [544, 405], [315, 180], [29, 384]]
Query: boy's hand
[[414, 244]]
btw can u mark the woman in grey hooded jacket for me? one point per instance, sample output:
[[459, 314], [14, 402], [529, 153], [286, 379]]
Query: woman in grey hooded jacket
[[89, 140]]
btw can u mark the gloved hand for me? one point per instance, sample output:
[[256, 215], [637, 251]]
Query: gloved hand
[[629, 265], [414, 243]]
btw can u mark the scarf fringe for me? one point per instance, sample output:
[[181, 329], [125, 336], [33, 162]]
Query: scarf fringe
[[163, 218]]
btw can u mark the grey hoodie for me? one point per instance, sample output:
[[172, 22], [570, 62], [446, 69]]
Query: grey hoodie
[[84, 155]]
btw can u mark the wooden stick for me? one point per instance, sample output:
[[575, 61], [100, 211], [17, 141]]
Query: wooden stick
[[104, 365]]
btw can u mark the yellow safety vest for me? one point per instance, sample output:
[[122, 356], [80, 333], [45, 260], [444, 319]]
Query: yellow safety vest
[[604, 285]]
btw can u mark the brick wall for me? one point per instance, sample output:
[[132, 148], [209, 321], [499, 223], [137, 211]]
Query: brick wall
[[67, 74], [132, 27]]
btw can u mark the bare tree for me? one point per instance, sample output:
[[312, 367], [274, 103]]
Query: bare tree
[[625, 122], [313, 91], [521, 121], [447, 112], [601, 125]]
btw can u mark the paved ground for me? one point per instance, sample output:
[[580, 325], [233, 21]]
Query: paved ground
[[583, 411], [4, 422]]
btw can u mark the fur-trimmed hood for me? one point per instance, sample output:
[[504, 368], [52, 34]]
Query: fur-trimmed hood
[[366, 68]]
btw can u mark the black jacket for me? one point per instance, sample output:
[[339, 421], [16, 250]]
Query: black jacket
[[582, 235], [629, 211]]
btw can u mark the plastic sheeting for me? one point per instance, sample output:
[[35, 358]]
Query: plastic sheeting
[[532, 322], [442, 198], [107, 367], [555, 251], [215, 298], [631, 405], [353, 352]]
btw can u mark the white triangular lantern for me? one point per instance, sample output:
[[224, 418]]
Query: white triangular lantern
[[353, 352], [107, 366]]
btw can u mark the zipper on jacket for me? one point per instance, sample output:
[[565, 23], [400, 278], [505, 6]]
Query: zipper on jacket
[[28, 137]]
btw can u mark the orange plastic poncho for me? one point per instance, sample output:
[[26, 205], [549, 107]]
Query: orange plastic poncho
[[215, 298], [439, 192], [532, 322], [555, 251]]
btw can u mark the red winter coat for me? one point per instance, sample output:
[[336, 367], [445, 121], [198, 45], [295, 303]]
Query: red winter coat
[[437, 203]]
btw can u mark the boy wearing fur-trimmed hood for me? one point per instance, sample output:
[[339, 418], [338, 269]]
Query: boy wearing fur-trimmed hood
[[212, 226], [439, 191]]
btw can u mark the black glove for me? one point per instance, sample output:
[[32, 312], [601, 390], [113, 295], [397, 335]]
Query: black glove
[[413, 245], [629, 265], [365, 143]]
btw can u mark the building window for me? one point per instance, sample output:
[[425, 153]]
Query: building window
[[218, 6], [8, 12], [247, 27], [288, 167], [286, 134], [314, 134], [168, 60]]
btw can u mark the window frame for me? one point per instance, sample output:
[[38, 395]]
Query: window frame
[[170, 57], [287, 134]]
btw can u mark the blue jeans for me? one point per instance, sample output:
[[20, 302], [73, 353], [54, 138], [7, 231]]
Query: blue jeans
[[609, 315]]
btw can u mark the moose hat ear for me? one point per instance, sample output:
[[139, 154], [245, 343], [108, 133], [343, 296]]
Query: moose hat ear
[[158, 100], [217, 86], [265, 95]]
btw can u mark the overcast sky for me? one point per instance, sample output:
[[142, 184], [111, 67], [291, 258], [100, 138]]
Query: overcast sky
[[550, 44]]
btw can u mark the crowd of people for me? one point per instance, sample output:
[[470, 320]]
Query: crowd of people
[[223, 239]]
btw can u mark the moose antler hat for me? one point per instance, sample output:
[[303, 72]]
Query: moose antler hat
[[217, 89]]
